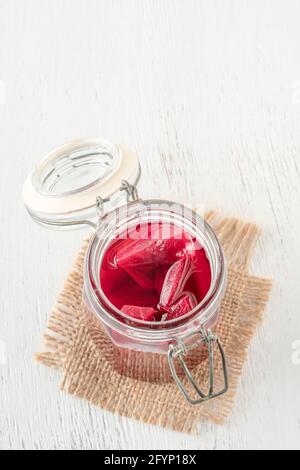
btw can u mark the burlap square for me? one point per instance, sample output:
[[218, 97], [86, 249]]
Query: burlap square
[[89, 372]]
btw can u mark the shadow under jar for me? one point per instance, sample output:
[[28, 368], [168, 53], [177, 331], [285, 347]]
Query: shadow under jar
[[159, 350]]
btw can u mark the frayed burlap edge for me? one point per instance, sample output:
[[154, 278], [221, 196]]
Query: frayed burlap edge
[[86, 375]]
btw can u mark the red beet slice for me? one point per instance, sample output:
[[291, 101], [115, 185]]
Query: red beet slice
[[140, 313], [184, 305], [153, 248], [160, 277], [200, 282], [175, 281], [134, 253], [143, 277]]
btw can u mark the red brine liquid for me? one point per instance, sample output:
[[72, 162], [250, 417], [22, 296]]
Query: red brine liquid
[[155, 272]]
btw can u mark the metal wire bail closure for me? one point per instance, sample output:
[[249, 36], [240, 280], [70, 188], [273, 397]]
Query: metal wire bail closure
[[131, 190], [132, 195], [181, 349]]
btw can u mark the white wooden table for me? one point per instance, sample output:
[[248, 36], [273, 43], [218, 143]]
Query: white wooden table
[[208, 93]]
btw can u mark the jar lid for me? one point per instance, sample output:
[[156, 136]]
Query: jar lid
[[63, 189]]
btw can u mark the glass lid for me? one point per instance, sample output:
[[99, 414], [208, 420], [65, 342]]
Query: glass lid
[[63, 189]]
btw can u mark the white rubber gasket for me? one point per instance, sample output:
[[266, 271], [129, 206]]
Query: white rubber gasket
[[39, 202]]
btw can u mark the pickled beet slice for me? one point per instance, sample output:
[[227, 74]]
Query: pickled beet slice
[[144, 278], [152, 251], [160, 277], [184, 305], [133, 253], [175, 281], [200, 281], [140, 313]]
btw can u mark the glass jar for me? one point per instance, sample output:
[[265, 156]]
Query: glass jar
[[92, 182]]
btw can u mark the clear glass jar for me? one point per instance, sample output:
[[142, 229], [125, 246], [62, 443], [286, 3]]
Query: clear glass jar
[[141, 348], [56, 196]]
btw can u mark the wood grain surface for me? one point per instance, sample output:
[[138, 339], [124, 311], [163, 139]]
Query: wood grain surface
[[208, 93]]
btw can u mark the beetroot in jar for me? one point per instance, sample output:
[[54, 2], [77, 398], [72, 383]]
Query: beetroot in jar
[[155, 279], [135, 261]]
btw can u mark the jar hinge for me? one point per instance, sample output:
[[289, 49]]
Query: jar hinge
[[132, 195]]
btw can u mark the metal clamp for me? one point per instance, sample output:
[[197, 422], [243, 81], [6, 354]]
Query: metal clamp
[[206, 337], [132, 192], [100, 206], [132, 195]]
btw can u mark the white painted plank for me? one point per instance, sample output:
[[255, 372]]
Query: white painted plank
[[207, 92]]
